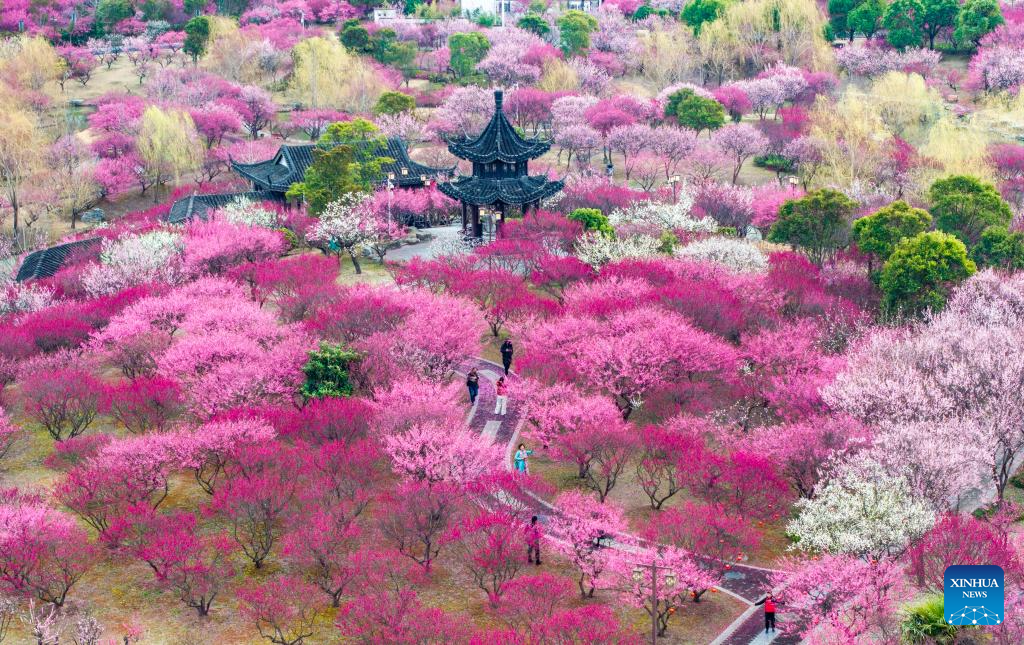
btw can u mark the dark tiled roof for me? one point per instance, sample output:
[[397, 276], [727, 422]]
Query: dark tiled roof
[[290, 163], [197, 205], [518, 190], [498, 142], [46, 262]]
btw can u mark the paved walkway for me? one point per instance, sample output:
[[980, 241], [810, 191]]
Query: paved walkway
[[744, 582]]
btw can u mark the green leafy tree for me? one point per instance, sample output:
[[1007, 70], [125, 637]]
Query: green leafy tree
[[965, 206], [818, 223], [698, 12], [334, 172], [388, 50], [938, 15], [593, 219], [925, 622], [367, 150], [879, 233], [194, 7], [1001, 248], [328, 372], [534, 23], [197, 37], [111, 12], [694, 111], [866, 18], [355, 38], [904, 20], [838, 12], [976, 18], [466, 51], [922, 271], [394, 103], [575, 28]]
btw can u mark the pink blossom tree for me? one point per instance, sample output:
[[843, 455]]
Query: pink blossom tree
[[282, 609], [582, 524], [689, 577], [43, 552], [64, 401], [739, 142], [493, 547], [190, 564]]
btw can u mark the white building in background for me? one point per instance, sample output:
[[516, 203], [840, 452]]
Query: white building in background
[[588, 6], [491, 7], [385, 15]]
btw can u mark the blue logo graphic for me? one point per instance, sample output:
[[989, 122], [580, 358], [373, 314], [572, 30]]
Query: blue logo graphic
[[974, 594]]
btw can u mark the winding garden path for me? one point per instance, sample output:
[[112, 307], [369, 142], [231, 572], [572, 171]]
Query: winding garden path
[[744, 582]]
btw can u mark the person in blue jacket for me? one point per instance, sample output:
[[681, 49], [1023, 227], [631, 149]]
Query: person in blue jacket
[[519, 459]]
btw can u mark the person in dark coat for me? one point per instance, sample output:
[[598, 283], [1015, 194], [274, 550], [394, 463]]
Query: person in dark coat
[[473, 384], [506, 355], [769, 611]]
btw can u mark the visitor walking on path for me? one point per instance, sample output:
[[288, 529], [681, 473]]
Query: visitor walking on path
[[533, 540], [769, 611], [506, 355], [519, 459], [473, 383], [501, 398]]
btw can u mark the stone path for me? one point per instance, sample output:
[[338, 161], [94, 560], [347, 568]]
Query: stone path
[[744, 582]]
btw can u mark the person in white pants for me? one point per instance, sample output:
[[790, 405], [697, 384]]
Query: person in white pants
[[501, 398]]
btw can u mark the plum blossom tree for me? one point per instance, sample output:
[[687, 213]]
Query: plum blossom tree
[[641, 350], [64, 401], [282, 608], [689, 577], [144, 404], [740, 142], [346, 226], [418, 519], [192, 565], [582, 523], [861, 510], [432, 453], [843, 598], [493, 546], [321, 547], [43, 552]]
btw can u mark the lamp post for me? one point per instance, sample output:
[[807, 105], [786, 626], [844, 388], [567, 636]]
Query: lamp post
[[670, 582], [673, 181]]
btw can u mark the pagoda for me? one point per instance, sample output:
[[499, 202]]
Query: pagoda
[[500, 183]]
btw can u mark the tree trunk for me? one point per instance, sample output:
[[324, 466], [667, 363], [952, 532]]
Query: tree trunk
[[355, 261]]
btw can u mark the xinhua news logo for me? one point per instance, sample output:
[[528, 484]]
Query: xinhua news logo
[[974, 594]]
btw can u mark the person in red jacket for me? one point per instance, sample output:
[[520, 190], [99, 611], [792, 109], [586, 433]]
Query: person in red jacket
[[769, 611], [501, 396]]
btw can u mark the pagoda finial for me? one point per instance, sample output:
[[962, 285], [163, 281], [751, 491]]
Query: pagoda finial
[[498, 94]]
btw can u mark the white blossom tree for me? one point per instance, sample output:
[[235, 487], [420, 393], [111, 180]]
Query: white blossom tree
[[597, 250], [736, 255], [862, 510], [347, 225], [136, 259]]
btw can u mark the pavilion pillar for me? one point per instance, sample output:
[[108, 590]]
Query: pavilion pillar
[[465, 221], [478, 229], [500, 224]]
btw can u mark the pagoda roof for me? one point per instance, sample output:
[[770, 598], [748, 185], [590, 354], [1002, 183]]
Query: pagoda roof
[[47, 262], [289, 166], [196, 206], [515, 190], [498, 142]]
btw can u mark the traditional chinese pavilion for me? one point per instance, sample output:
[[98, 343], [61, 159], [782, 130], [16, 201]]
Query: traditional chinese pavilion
[[500, 183], [271, 178]]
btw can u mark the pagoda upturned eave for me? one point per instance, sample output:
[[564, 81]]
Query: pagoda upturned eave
[[499, 141], [516, 191]]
